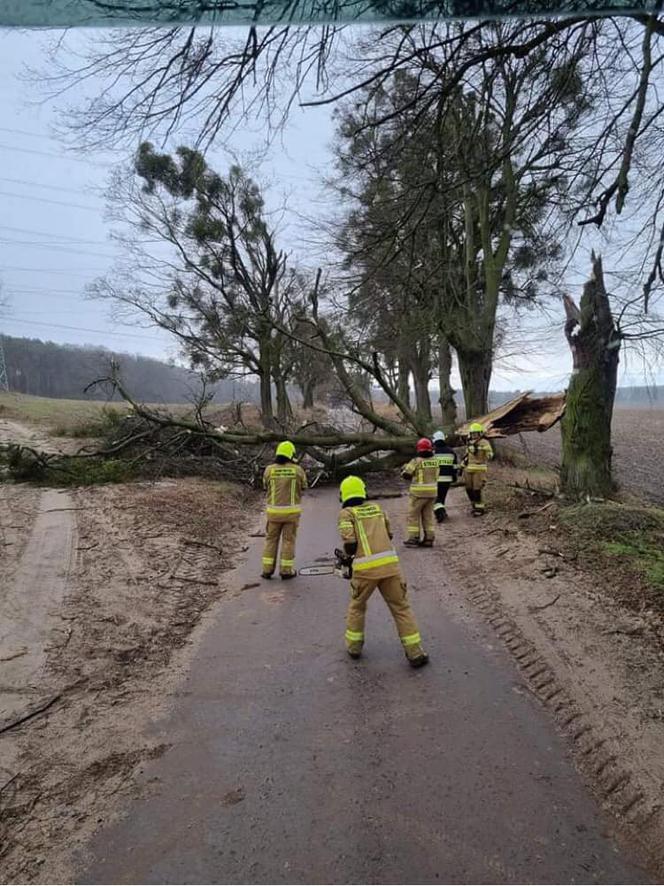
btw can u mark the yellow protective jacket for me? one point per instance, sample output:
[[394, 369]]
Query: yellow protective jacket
[[368, 527], [424, 476], [477, 456], [284, 485]]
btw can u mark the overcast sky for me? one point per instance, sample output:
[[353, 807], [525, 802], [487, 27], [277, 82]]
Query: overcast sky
[[54, 238]]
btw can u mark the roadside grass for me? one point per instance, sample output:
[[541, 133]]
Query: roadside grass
[[648, 558], [627, 534], [619, 542]]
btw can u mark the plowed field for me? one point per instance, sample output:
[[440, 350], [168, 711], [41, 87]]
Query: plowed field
[[638, 443]]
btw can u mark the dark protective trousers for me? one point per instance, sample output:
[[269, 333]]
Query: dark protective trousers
[[440, 509]]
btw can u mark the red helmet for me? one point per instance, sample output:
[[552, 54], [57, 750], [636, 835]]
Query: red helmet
[[424, 445]]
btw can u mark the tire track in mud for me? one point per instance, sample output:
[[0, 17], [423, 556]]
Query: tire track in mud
[[28, 608], [612, 767], [603, 760]]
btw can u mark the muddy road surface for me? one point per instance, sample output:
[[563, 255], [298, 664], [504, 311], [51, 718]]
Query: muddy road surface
[[290, 763], [31, 597]]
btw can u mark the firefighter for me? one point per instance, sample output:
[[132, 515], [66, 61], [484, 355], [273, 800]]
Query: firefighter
[[422, 471], [478, 454], [284, 481], [447, 473], [367, 538]]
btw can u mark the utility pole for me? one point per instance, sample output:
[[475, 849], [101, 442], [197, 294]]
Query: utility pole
[[4, 381]]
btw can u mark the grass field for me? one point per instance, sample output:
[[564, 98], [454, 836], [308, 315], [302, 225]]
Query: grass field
[[65, 418], [45, 411]]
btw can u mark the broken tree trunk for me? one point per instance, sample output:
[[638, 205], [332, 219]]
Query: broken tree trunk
[[586, 427]]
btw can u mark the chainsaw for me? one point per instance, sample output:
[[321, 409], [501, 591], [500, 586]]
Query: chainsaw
[[342, 566]]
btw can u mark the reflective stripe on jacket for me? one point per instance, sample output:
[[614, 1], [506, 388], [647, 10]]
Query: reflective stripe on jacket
[[369, 527], [447, 462], [424, 476], [477, 456], [284, 485]]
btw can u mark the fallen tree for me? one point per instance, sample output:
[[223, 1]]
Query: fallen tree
[[333, 450], [165, 443]]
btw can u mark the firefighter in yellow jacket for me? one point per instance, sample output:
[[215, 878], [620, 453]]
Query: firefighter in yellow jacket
[[284, 482], [367, 538], [422, 471], [478, 454]]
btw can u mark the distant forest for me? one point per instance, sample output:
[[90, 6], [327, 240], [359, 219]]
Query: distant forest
[[46, 369]]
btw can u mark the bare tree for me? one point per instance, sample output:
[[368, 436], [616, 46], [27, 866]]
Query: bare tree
[[211, 272]]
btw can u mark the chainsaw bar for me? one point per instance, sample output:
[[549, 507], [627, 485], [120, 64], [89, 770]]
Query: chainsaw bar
[[317, 570]]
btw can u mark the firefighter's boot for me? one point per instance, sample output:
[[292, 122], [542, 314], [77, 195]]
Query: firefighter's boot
[[354, 643], [418, 661], [440, 512]]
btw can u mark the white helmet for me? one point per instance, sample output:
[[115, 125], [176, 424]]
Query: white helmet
[[439, 436]]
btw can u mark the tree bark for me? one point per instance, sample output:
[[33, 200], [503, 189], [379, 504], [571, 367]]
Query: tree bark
[[586, 468], [284, 409], [420, 366], [475, 369], [267, 413], [422, 398], [308, 389], [403, 386], [446, 391]]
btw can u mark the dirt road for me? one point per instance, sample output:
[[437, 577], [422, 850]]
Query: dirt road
[[290, 763], [21, 433]]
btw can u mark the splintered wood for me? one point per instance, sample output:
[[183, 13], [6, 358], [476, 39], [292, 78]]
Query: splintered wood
[[521, 415]]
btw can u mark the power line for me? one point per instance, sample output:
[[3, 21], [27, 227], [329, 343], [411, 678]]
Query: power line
[[50, 234], [78, 329], [51, 154], [34, 184], [81, 273], [56, 247], [24, 132], [52, 202], [25, 290], [27, 314]]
